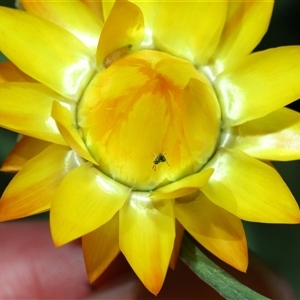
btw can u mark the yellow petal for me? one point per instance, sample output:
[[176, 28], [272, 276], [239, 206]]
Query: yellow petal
[[107, 7], [258, 85], [100, 247], [250, 189], [85, 200], [9, 72], [50, 54], [246, 23], [25, 149], [202, 104], [189, 30], [96, 7], [147, 232], [67, 127], [177, 244], [217, 230], [149, 9], [273, 137], [123, 29], [25, 107], [73, 16], [31, 190], [183, 186]]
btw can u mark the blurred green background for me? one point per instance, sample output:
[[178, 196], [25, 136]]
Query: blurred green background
[[277, 245]]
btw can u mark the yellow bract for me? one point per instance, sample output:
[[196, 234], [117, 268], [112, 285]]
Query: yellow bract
[[141, 118], [157, 100]]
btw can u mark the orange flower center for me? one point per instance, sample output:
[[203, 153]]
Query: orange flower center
[[149, 119]]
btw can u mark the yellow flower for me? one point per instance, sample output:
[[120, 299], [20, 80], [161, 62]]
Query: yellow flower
[[137, 114]]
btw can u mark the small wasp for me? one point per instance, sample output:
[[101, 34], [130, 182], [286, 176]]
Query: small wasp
[[158, 159]]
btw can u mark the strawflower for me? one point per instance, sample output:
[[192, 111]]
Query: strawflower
[[142, 119]]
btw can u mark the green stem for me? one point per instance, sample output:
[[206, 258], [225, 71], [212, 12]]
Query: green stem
[[208, 271]]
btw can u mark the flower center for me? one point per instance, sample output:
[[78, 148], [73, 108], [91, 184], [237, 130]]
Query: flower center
[[149, 119]]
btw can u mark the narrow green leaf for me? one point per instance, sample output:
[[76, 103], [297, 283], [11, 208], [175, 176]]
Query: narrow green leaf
[[208, 271]]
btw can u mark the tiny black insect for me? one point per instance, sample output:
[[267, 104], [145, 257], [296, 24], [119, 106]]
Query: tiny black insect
[[158, 159]]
